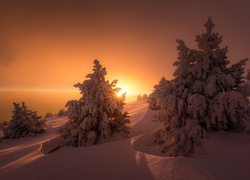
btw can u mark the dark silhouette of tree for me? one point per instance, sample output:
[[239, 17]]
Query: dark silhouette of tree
[[97, 114], [24, 122], [205, 94]]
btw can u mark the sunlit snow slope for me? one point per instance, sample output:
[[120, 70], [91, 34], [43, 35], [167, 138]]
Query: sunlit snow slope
[[223, 156]]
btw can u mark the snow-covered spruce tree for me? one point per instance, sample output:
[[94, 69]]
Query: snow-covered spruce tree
[[144, 96], [61, 113], [97, 114], [48, 115], [138, 98], [205, 94], [160, 90], [24, 122]]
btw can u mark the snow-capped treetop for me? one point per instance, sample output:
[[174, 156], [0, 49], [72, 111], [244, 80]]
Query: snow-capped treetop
[[99, 93], [208, 41], [99, 72], [209, 25]]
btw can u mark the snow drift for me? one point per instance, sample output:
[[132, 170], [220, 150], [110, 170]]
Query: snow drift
[[223, 156]]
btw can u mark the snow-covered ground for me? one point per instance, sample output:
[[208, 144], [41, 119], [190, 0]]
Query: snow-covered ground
[[222, 156]]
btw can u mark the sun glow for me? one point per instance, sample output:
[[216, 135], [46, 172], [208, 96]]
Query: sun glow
[[121, 92]]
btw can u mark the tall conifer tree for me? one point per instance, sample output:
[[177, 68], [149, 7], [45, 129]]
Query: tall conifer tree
[[97, 114], [205, 94]]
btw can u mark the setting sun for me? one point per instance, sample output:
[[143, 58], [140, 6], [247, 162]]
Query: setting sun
[[121, 92]]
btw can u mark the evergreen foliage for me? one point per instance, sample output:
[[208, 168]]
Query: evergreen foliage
[[97, 114], [248, 75], [61, 113], [160, 90], [24, 122], [141, 97], [48, 115], [205, 94], [144, 96], [138, 98]]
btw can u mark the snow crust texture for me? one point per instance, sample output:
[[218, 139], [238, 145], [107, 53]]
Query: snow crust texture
[[223, 156]]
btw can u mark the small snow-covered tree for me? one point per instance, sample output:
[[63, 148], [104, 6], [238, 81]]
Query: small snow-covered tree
[[141, 97], [205, 94], [138, 98], [24, 122], [97, 114], [144, 96], [61, 112], [48, 115], [160, 90]]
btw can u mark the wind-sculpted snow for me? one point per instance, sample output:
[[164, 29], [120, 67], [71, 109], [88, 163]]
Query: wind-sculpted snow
[[145, 125], [16, 153], [223, 156]]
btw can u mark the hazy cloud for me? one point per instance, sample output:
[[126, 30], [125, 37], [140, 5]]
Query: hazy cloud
[[7, 55]]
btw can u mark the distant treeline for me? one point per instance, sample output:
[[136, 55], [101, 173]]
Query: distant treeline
[[141, 97]]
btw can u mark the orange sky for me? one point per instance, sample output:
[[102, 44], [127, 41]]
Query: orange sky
[[51, 45]]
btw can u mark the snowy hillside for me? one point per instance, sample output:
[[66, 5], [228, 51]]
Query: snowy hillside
[[223, 156]]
